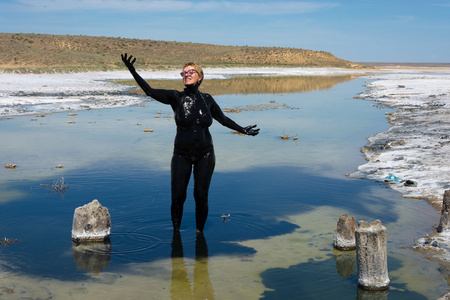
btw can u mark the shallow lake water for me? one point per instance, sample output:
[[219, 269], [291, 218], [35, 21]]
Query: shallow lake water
[[284, 198]]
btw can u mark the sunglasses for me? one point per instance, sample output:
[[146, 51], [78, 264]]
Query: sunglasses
[[190, 72]]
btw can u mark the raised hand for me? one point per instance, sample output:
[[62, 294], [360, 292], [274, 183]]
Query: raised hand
[[128, 61], [250, 131]]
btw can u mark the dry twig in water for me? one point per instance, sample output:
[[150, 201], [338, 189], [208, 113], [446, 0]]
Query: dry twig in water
[[58, 186]]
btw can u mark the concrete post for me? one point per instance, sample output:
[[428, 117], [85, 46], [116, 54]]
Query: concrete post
[[344, 235], [91, 223], [371, 255], [444, 223]]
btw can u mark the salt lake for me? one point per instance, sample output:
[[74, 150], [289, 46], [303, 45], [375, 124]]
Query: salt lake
[[284, 198]]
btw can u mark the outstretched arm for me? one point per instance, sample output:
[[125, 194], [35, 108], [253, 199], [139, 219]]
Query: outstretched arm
[[158, 94], [218, 114]]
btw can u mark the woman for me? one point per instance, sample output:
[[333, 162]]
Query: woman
[[194, 113]]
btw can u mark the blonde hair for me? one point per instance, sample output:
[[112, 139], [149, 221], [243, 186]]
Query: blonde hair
[[197, 68]]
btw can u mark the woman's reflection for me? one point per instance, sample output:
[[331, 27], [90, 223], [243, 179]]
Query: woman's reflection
[[181, 288]]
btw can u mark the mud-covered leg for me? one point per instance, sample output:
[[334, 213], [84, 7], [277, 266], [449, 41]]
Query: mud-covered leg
[[203, 171], [181, 170]]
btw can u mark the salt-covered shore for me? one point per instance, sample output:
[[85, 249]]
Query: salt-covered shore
[[413, 155], [417, 145], [22, 94]]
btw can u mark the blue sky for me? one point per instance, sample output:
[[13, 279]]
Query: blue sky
[[356, 30]]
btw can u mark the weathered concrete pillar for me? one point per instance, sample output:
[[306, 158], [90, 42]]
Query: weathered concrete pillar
[[344, 235], [371, 255], [444, 223], [91, 222]]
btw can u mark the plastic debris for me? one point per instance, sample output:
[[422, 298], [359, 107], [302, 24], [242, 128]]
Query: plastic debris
[[393, 178], [410, 183]]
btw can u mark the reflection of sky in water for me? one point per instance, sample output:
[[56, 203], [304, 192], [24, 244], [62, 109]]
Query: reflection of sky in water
[[284, 198], [324, 138]]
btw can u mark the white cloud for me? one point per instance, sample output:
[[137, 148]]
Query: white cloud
[[258, 8], [86, 5], [274, 8]]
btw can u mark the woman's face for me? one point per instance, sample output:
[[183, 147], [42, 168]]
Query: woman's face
[[190, 76]]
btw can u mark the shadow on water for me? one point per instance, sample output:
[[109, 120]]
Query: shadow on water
[[300, 192], [141, 224], [320, 280]]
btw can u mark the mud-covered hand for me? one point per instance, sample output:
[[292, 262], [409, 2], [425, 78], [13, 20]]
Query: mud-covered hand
[[129, 61], [250, 130]]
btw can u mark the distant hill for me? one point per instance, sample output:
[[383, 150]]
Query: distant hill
[[404, 65], [45, 52]]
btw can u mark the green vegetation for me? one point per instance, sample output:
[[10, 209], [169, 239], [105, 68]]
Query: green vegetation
[[23, 52]]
